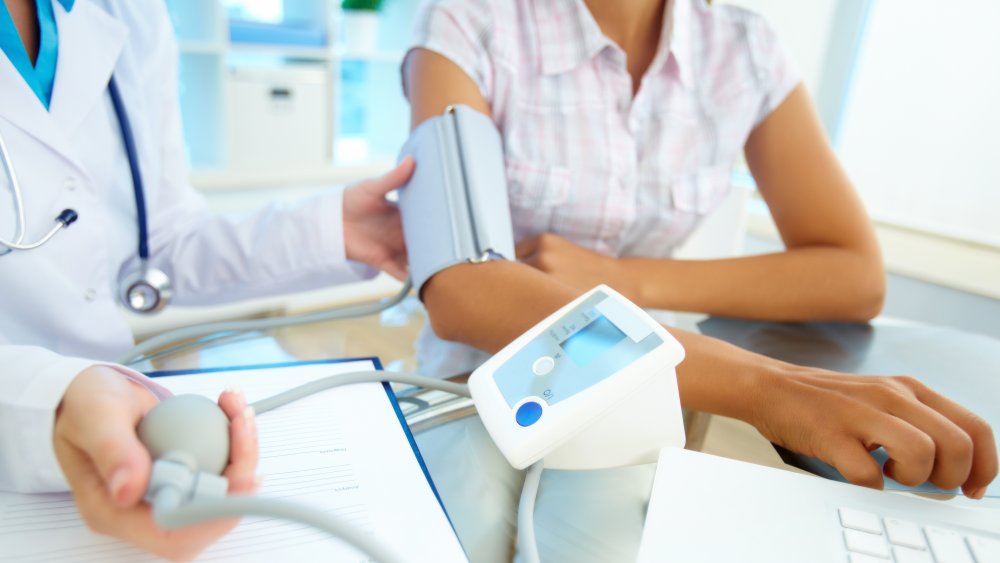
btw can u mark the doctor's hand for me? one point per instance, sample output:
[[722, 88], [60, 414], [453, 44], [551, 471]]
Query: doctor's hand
[[373, 233], [108, 468], [841, 418], [576, 266]]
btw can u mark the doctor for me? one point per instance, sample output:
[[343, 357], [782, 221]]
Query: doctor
[[90, 119]]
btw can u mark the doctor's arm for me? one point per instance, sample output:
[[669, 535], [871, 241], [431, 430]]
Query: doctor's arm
[[831, 267], [835, 417], [337, 236]]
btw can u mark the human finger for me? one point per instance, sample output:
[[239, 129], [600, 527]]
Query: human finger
[[391, 180], [396, 267], [911, 451], [527, 247], [137, 526], [109, 440], [243, 448], [851, 458], [984, 465], [953, 447]]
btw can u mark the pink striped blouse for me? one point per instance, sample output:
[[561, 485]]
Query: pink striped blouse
[[621, 174], [586, 160]]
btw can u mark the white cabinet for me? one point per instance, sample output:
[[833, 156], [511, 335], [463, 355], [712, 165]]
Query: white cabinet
[[290, 103], [279, 116]]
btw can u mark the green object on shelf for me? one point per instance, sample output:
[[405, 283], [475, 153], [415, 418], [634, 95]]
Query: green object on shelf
[[369, 5]]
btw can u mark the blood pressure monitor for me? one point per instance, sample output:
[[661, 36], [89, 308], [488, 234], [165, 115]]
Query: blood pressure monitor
[[591, 386]]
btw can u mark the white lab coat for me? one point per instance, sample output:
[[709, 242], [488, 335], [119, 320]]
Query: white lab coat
[[58, 308]]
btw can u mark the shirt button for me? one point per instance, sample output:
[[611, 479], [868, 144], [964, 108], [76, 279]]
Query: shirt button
[[69, 183], [90, 295]]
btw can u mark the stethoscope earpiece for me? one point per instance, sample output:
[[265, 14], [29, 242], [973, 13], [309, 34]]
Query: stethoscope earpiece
[[68, 217]]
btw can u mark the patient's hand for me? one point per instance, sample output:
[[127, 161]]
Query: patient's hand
[[108, 468], [841, 418], [574, 265], [373, 233]]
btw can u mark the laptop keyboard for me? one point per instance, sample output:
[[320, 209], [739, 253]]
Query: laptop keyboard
[[870, 538]]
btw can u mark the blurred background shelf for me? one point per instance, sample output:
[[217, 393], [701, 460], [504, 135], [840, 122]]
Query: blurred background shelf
[[286, 89]]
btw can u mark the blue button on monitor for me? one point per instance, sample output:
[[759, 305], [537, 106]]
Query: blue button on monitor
[[528, 413]]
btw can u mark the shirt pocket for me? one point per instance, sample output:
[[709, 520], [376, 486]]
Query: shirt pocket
[[536, 191], [533, 185], [702, 190]]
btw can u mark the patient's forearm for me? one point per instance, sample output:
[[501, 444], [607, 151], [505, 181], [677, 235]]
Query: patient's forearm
[[720, 378], [799, 284], [831, 416], [488, 305]]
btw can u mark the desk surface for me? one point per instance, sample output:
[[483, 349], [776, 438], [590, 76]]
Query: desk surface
[[476, 485]]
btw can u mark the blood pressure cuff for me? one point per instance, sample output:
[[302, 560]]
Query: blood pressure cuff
[[455, 207]]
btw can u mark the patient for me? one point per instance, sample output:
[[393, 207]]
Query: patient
[[621, 122]]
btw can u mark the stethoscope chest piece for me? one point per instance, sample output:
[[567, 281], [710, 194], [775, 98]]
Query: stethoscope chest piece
[[145, 290]]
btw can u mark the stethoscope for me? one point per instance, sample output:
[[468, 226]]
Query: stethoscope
[[144, 290]]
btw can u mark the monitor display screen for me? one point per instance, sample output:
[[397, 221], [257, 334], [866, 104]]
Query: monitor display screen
[[586, 345]]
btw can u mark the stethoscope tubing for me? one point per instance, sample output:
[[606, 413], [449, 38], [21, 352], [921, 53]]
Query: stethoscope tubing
[[15, 188], [128, 140], [68, 216], [135, 289]]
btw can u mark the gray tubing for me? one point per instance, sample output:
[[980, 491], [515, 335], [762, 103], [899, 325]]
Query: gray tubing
[[526, 542], [236, 506], [332, 381], [138, 352]]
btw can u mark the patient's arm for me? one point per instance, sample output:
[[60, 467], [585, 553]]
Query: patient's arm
[[488, 305], [835, 417], [831, 267]]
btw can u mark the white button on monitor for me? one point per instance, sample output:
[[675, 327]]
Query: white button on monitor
[[543, 365]]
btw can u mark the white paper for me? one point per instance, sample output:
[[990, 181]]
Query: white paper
[[342, 450]]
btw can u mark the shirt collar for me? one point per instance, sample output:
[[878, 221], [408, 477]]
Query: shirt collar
[[679, 21], [569, 36]]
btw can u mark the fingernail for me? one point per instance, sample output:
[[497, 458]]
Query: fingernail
[[258, 480], [248, 416], [978, 494], [117, 482]]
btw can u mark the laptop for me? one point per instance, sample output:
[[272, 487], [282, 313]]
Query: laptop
[[708, 508]]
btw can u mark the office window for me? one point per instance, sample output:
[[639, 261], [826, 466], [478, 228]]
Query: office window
[[918, 133]]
